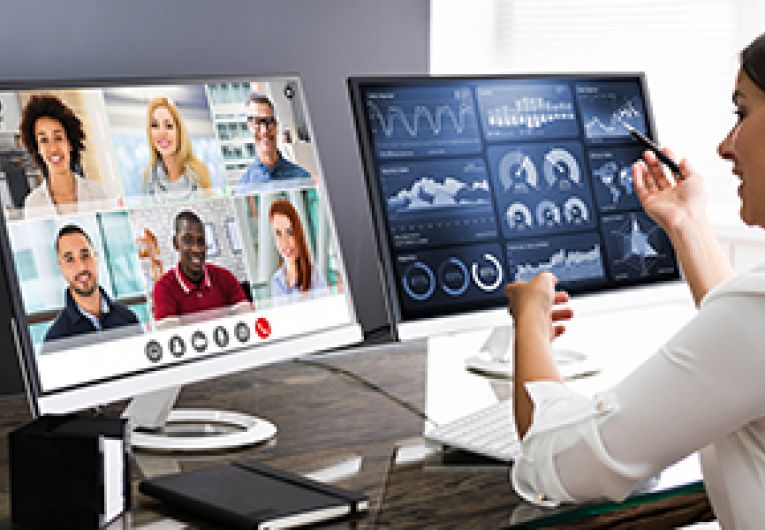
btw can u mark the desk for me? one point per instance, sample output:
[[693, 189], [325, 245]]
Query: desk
[[333, 426]]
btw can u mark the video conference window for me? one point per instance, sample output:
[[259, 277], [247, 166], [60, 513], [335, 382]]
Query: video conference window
[[139, 208], [486, 181]]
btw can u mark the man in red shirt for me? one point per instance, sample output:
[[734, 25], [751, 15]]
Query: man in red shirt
[[194, 287]]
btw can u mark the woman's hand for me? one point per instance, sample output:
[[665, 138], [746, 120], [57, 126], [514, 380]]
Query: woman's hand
[[672, 203], [537, 298]]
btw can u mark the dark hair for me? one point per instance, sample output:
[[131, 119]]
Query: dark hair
[[47, 106], [71, 229], [257, 97], [753, 61], [188, 216], [303, 261]]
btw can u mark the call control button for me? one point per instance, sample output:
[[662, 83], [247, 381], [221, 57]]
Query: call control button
[[199, 341], [262, 328], [220, 336], [177, 346], [242, 332], [153, 351]]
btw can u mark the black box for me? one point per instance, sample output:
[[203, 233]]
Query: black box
[[58, 472]]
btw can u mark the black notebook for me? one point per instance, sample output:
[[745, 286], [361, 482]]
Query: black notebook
[[251, 495]]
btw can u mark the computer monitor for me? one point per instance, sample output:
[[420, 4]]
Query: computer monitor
[[475, 182], [177, 230]]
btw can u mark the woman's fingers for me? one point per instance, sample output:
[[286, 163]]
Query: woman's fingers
[[565, 313], [656, 171]]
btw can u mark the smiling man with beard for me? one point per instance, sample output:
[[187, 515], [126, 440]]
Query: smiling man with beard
[[269, 166], [195, 286], [87, 307]]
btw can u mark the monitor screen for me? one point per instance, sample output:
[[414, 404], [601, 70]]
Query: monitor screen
[[480, 181], [158, 232]]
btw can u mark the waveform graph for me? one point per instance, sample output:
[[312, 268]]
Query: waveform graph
[[607, 106], [416, 121], [522, 109], [575, 259], [435, 280], [636, 247], [611, 171], [437, 202]]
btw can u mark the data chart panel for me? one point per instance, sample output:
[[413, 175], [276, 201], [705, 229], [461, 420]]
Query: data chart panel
[[611, 170], [411, 121], [576, 259], [534, 170], [541, 188], [438, 279], [637, 248], [607, 106], [518, 110], [438, 202]]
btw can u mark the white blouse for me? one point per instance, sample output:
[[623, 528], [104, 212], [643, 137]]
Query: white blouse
[[90, 197], [704, 389]]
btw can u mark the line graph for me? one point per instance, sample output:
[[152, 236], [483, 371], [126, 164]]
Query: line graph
[[434, 118], [607, 106], [410, 121], [574, 258]]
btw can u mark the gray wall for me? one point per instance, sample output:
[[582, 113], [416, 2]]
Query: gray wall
[[323, 40]]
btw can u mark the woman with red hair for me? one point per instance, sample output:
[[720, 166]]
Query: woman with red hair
[[297, 277]]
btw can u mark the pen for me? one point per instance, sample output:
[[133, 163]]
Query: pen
[[643, 139]]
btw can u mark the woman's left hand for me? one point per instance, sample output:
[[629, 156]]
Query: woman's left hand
[[539, 297]]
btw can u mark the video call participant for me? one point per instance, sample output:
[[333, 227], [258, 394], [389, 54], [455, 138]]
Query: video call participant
[[194, 286], [297, 277], [87, 307], [269, 164], [174, 172], [54, 136]]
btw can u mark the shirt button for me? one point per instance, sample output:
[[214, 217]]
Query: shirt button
[[600, 406]]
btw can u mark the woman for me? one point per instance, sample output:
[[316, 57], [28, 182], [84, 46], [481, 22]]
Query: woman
[[296, 278], [577, 449], [54, 136], [174, 172]]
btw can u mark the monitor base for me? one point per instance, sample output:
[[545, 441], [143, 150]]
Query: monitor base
[[200, 430], [495, 358]]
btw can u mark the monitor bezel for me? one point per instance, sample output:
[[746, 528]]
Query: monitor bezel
[[121, 386], [486, 315]]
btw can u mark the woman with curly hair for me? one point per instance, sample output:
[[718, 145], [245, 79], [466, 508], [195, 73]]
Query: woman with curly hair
[[174, 171], [54, 136]]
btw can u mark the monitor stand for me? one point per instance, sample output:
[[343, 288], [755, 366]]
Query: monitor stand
[[156, 427], [496, 357]]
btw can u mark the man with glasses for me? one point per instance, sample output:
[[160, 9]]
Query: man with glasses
[[269, 164], [87, 307]]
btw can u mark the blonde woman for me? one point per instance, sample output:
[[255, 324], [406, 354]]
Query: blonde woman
[[174, 172]]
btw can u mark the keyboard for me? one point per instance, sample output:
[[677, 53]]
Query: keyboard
[[488, 432]]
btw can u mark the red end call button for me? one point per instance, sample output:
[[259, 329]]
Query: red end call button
[[262, 328]]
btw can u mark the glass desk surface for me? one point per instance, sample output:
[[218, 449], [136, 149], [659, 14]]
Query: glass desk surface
[[355, 418]]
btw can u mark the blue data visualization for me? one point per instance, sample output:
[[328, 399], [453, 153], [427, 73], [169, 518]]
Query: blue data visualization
[[438, 278], [437, 202], [541, 188], [428, 121], [607, 106], [611, 170], [480, 181], [517, 110], [637, 247], [575, 259]]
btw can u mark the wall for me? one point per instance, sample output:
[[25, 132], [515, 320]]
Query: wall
[[323, 40]]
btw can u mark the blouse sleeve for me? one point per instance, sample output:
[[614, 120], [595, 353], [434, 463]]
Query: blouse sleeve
[[703, 384]]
